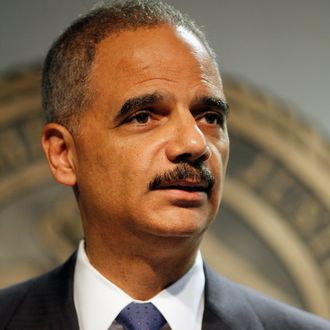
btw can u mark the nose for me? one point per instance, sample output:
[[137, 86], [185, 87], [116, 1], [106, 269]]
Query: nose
[[187, 142]]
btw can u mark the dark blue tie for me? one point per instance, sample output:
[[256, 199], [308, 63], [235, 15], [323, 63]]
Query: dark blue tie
[[138, 316]]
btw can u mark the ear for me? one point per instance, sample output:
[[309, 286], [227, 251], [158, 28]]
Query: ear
[[59, 147]]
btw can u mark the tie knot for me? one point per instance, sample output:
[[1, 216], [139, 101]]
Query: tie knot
[[141, 316]]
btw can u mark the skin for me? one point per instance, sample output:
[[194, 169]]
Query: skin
[[142, 239]]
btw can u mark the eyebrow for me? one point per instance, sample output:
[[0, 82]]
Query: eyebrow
[[212, 102], [147, 100], [136, 103]]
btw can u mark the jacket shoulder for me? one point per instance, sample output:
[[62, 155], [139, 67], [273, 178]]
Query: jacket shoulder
[[253, 310], [11, 298], [29, 302], [277, 315]]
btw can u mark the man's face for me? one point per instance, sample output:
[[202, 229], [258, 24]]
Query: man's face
[[152, 150]]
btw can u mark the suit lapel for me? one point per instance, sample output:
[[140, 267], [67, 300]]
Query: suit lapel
[[211, 320], [66, 317], [226, 306]]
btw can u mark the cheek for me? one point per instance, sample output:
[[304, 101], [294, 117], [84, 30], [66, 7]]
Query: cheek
[[222, 147], [123, 168], [96, 163], [218, 164], [219, 159], [225, 156]]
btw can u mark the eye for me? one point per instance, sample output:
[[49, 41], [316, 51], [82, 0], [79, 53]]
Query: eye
[[213, 118], [141, 117]]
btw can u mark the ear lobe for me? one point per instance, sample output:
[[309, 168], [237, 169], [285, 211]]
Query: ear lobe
[[59, 149]]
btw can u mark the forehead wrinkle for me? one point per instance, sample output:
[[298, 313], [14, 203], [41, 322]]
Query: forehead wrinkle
[[164, 72], [192, 80], [133, 62], [160, 67]]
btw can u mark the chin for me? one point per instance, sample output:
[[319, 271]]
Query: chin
[[180, 223]]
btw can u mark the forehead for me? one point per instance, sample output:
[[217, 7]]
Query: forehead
[[153, 57]]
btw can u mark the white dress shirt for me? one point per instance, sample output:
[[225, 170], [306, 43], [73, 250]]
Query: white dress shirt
[[98, 301]]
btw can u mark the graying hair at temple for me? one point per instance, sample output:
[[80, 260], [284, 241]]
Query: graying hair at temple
[[65, 87]]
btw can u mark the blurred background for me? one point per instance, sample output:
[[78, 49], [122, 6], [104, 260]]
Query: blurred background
[[273, 228]]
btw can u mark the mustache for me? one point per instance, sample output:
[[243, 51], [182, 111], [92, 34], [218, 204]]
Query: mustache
[[182, 172]]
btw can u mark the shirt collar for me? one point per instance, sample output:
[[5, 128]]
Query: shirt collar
[[98, 301]]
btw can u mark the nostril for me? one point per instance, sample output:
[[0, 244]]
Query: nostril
[[191, 158], [183, 158]]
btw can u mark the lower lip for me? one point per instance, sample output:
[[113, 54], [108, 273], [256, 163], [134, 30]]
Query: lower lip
[[185, 198]]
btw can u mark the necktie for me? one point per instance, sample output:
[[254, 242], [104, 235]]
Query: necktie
[[138, 316]]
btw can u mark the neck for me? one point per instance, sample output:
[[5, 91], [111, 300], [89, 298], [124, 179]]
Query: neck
[[142, 267]]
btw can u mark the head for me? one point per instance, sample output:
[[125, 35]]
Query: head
[[66, 92], [137, 122]]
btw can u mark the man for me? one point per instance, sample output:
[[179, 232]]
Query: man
[[137, 126]]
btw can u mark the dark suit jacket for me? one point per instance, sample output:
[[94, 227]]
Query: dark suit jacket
[[47, 303]]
